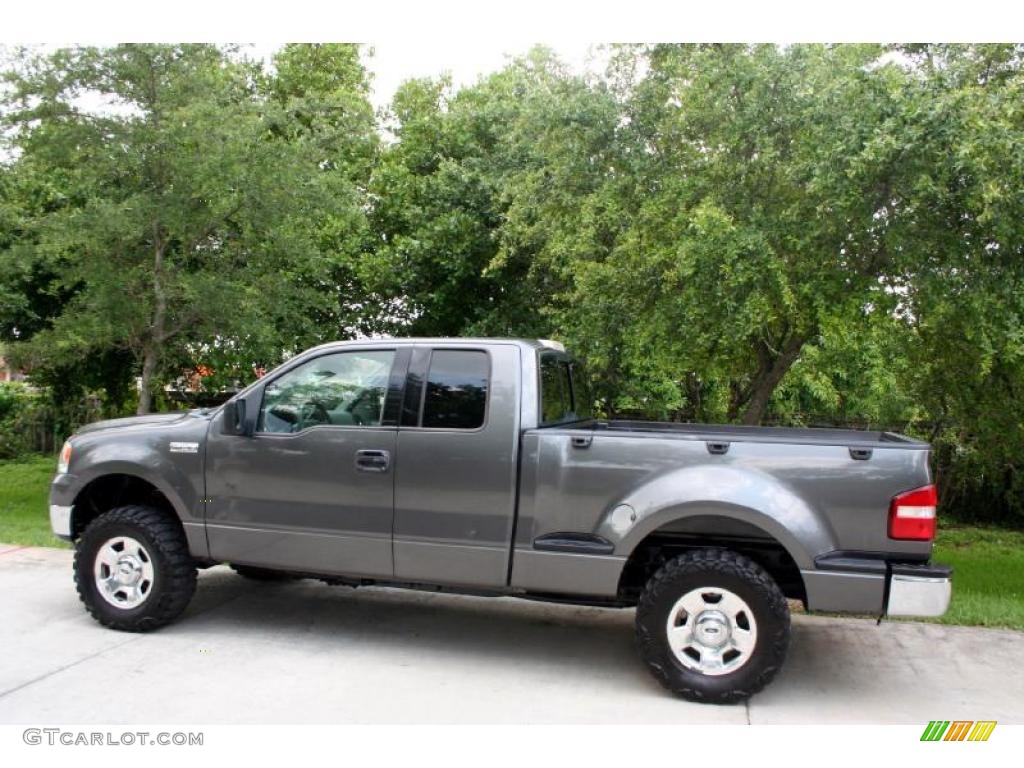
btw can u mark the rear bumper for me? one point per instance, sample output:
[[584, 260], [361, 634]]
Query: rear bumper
[[919, 590], [864, 583]]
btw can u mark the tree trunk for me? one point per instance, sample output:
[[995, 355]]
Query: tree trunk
[[149, 362], [768, 377], [157, 331]]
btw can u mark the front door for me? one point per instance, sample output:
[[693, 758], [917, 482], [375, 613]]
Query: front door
[[313, 488]]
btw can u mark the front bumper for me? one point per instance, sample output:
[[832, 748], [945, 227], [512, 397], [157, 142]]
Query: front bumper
[[919, 590], [63, 490], [60, 521]]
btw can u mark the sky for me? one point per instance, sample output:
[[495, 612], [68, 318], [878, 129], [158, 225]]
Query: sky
[[394, 62]]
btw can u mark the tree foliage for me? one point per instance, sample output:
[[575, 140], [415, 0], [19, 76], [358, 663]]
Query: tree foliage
[[807, 234], [181, 217]]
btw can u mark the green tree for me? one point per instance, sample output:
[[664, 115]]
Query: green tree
[[798, 235], [173, 209], [463, 195], [756, 215], [963, 304], [323, 89]]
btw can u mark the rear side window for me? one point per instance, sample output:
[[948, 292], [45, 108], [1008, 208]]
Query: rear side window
[[457, 383], [555, 394], [564, 391], [582, 396]]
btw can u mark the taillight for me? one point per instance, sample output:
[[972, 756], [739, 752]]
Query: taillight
[[912, 514]]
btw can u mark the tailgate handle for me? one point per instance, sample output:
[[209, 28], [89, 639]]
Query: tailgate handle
[[582, 441], [718, 448], [860, 454]]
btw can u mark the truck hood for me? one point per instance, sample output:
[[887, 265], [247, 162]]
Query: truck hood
[[151, 419]]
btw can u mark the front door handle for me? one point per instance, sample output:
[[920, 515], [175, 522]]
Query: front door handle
[[372, 460]]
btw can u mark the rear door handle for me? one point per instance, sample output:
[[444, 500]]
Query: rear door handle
[[372, 460], [582, 441]]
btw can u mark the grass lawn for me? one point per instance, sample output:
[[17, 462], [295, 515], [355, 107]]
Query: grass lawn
[[988, 563], [24, 504], [988, 575]]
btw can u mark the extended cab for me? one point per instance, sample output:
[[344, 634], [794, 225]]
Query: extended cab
[[475, 465]]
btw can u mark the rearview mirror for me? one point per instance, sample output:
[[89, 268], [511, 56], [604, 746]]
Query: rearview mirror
[[234, 418]]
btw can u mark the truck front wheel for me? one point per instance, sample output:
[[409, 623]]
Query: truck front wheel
[[133, 569], [713, 626]]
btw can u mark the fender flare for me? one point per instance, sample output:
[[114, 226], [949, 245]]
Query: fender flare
[[97, 470], [743, 495]]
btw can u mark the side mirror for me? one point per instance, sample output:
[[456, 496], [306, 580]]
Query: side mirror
[[234, 422]]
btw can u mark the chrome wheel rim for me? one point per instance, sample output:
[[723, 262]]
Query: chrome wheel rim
[[712, 631], [123, 572]]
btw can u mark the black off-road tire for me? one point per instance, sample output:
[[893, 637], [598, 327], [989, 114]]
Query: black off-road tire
[[261, 574], [174, 572], [746, 579]]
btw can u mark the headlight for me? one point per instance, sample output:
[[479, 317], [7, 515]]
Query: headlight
[[65, 458]]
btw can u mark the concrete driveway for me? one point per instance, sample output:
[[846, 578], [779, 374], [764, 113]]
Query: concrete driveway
[[305, 652]]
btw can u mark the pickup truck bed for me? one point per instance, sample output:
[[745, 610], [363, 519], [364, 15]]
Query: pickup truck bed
[[611, 489]]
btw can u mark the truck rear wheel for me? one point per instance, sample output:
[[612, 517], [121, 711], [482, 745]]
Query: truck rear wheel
[[713, 626], [133, 569]]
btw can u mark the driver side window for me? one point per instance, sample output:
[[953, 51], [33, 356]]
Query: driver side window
[[343, 389]]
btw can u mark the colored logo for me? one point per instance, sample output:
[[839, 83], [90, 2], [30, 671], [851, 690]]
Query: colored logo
[[958, 730]]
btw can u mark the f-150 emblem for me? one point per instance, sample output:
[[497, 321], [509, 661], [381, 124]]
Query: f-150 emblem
[[184, 447]]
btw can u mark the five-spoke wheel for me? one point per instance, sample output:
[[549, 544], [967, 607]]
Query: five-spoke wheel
[[123, 572], [712, 626], [711, 630], [133, 568]]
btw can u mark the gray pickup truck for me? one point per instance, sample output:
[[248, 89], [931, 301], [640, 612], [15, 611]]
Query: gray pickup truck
[[475, 466]]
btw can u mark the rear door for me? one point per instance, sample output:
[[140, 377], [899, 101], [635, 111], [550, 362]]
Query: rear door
[[456, 481], [313, 488]]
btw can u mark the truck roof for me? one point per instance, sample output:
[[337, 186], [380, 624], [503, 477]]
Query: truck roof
[[459, 340]]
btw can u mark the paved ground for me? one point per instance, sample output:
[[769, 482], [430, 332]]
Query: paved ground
[[306, 652]]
